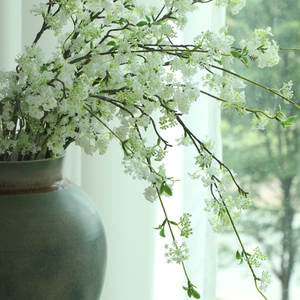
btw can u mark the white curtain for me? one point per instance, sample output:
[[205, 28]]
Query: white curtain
[[136, 266], [204, 120]]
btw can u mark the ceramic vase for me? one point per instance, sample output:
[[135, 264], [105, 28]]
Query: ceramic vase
[[52, 240]]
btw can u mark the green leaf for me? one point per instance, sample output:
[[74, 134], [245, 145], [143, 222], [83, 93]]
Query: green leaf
[[125, 149], [148, 19], [195, 294], [238, 255], [245, 59], [6, 99], [159, 41], [185, 54], [167, 190], [244, 51], [158, 180], [173, 223], [113, 48], [162, 232], [189, 292], [121, 21], [161, 189], [44, 68], [289, 120], [286, 122], [197, 47], [141, 24], [111, 43], [218, 61], [235, 54]]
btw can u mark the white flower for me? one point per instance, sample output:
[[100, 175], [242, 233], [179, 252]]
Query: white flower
[[185, 141], [175, 253], [207, 181], [35, 106], [203, 160], [259, 122], [208, 143], [211, 171], [270, 56], [257, 257], [135, 167], [287, 90], [150, 193], [221, 2], [239, 4], [185, 225], [220, 220], [265, 280], [101, 145], [261, 48], [243, 202]]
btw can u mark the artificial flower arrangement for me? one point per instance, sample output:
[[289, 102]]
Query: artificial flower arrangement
[[113, 77]]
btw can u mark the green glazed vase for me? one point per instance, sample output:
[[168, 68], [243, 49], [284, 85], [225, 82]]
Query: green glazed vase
[[52, 240]]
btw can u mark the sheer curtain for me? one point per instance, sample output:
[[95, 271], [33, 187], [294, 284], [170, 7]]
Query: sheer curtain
[[136, 266], [204, 120]]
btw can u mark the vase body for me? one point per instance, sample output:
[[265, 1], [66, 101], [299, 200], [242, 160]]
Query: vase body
[[52, 240]]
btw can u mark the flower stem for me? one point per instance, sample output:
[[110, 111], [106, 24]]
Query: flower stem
[[171, 231], [257, 84]]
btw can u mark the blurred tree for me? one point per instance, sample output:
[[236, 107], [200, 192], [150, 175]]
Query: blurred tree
[[270, 156]]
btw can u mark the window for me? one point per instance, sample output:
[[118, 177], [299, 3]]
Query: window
[[266, 161]]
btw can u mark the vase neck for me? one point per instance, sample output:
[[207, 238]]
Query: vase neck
[[29, 177]]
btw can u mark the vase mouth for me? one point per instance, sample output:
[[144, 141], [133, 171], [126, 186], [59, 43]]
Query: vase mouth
[[32, 176], [39, 160]]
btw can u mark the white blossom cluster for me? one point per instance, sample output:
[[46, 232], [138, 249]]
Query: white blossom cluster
[[113, 66], [230, 89], [235, 5], [226, 211], [220, 220], [203, 161], [185, 225], [261, 48], [259, 122], [176, 253], [223, 211], [286, 90], [265, 280], [257, 257]]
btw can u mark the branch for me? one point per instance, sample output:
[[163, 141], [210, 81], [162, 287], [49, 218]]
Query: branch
[[45, 26], [256, 83]]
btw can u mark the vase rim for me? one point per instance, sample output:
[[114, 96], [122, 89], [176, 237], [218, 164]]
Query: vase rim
[[33, 160], [32, 176]]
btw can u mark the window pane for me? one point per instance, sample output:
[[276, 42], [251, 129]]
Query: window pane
[[266, 161]]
